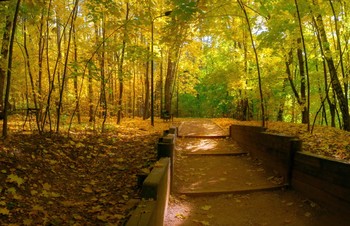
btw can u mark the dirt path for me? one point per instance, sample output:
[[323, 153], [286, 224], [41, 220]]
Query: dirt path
[[217, 183]]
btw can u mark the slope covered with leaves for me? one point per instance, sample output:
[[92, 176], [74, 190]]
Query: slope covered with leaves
[[324, 141], [83, 179]]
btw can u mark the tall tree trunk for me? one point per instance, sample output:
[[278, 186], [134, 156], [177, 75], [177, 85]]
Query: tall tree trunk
[[134, 92], [262, 108], [41, 48], [339, 46], [146, 113], [31, 78], [161, 84], [3, 61], [91, 97], [336, 85], [103, 98], [9, 69], [74, 14], [281, 105], [75, 78], [332, 105], [169, 82], [49, 78], [304, 111], [120, 68]]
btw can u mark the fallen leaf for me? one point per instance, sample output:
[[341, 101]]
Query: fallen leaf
[[205, 223], [118, 216], [88, 189], [28, 222], [180, 216], [13, 178], [77, 217], [33, 192], [38, 208], [46, 186], [4, 211], [103, 217], [206, 207]]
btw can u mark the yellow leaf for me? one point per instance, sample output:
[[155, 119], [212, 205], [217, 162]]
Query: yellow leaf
[[95, 209], [46, 186], [11, 190], [52, 162], [55, 195], [118, 216], [93, 182], [45, 194], [103, 217], [205, 223], [4, 211], [17, 197], [77, 217], [13, 178], [28, 222], [38, 208], [79, 145], [206, 207], [180, 216], [87, 189]]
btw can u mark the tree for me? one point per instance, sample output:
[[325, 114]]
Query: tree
[[3, 61], [256, 61], [9, 68], [343, 102]]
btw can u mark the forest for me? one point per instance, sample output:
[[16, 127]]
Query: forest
[[66, 62], [88, 87]]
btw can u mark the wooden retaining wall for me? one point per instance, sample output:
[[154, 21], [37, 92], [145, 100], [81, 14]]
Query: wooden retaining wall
[[322, 179], [276, 151], [155, 193]]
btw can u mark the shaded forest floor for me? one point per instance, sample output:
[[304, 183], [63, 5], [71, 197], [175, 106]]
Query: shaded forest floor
[[85, 179], [90, 178]]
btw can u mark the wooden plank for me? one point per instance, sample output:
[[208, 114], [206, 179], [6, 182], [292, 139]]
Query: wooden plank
[[231, 191], [321, 196], [324, 188]]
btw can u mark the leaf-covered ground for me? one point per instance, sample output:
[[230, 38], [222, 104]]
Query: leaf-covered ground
[[84, 179], [325, 141], [91, 178]]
